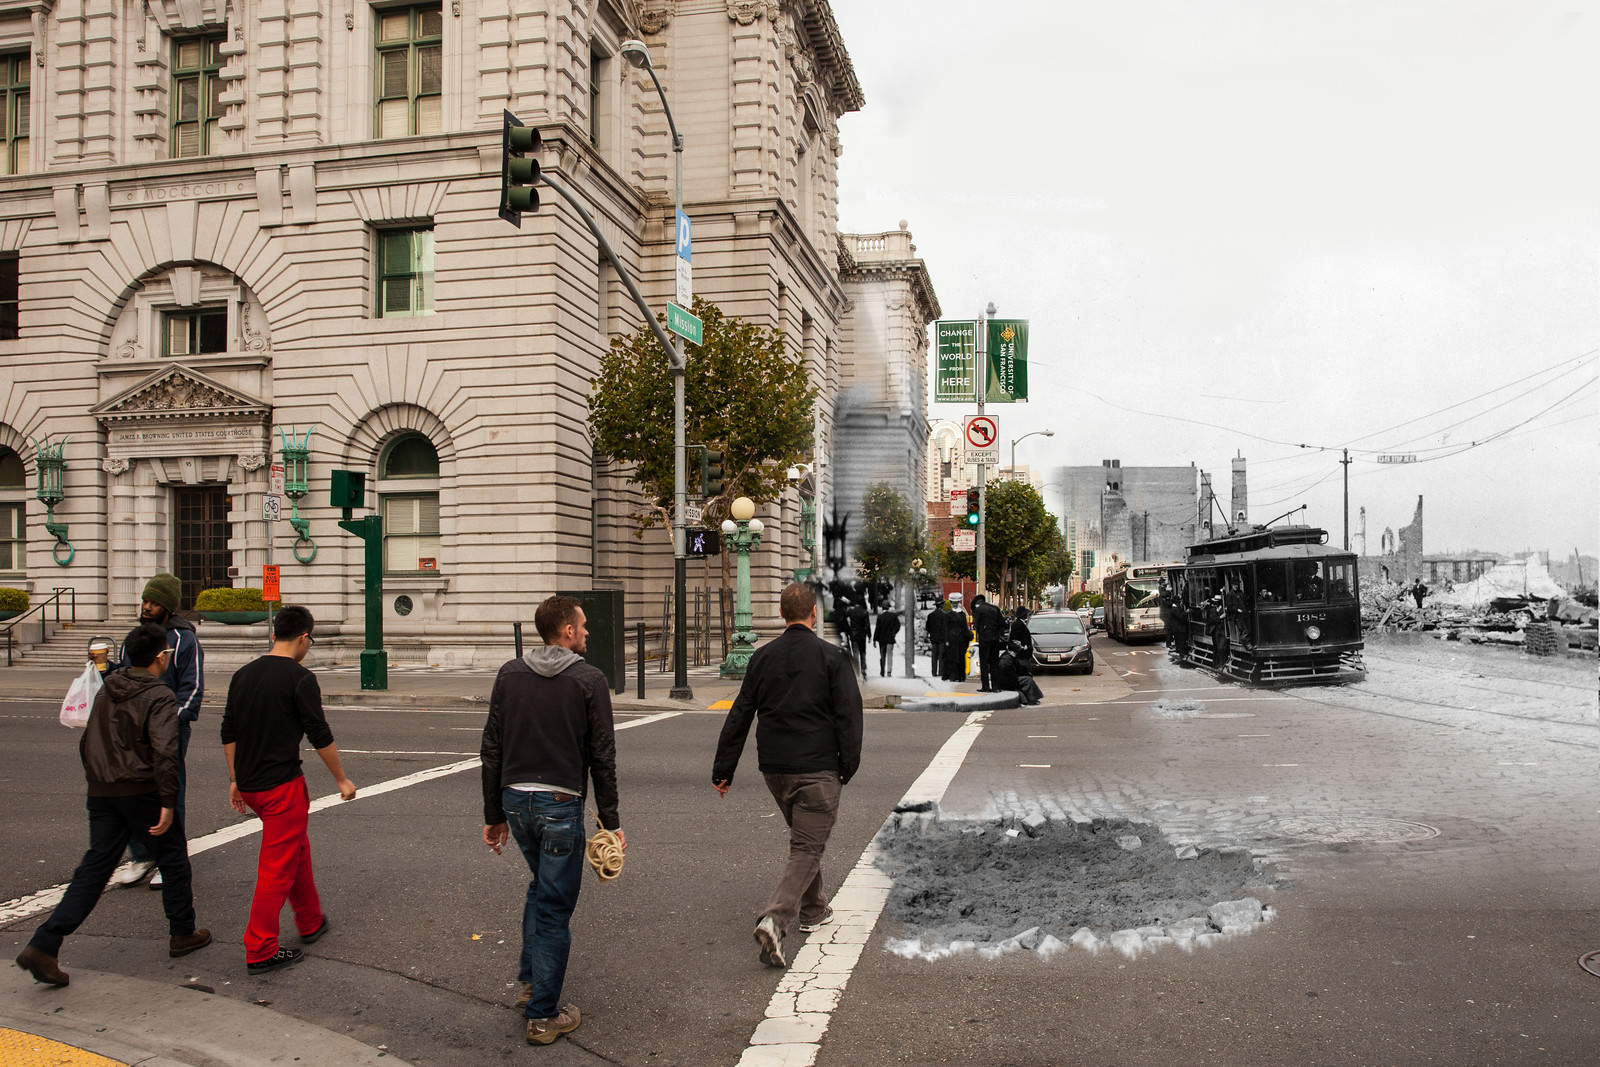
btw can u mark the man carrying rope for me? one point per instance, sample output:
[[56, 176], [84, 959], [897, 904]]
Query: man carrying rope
[[802, 692], [549, 732]]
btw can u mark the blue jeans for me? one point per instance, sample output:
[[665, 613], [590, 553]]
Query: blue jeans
[[550, 834], [113, 823]]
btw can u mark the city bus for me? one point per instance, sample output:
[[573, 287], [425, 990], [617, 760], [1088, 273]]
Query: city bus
[[1133, 603]]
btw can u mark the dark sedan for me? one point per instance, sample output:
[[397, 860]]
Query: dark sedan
[[1059, 641]]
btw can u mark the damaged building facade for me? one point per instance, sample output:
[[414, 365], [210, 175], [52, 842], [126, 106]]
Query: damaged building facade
[[228, 232]]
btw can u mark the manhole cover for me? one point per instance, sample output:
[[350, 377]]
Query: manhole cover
[[1353, 829], [1590, 961]]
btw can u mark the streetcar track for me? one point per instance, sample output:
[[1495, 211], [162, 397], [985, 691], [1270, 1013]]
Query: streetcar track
[[1459, 726]]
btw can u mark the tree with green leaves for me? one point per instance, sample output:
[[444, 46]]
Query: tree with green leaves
[[744, 395], [891, 535], [1050, 565], [1017, 528]]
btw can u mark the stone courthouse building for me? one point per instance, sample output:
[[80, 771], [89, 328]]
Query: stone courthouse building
[[223, 225]]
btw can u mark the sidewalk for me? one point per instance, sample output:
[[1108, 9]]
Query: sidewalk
[[446, 687], [111, 1019]]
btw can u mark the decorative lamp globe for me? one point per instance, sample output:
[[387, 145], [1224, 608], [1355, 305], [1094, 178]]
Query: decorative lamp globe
[[743, 508]]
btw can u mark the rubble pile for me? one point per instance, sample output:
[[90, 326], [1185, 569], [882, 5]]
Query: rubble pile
[[1039, 885], [1514, 604]]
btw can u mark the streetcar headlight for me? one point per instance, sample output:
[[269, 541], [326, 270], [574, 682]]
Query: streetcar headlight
[[1313, 633]]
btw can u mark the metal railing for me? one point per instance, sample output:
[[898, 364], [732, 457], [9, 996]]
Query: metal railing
[[54, 599]]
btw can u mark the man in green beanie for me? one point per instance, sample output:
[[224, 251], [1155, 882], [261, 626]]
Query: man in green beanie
[[185, 676]]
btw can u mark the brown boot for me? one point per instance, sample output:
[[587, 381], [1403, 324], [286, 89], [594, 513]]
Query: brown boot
[[183, 944], [42, 967]]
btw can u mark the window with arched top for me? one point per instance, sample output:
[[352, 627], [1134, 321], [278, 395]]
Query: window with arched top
[[13, 514], [408, 497]]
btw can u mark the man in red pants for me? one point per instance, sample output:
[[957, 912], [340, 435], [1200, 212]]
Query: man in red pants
[[272, 703]]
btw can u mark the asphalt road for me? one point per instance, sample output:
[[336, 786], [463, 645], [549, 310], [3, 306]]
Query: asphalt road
[[1387, 947]]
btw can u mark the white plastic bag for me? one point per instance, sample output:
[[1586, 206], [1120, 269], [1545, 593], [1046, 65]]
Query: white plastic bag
[[80, 698]]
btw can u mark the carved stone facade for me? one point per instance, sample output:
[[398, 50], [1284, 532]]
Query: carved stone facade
[[177, 315]]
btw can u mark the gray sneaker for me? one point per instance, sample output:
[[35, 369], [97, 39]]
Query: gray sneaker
[[544, 1031], [133, 872], [771, 943], [811, 925], [524, 994]]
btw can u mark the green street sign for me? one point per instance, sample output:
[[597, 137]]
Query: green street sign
[[684, 324]]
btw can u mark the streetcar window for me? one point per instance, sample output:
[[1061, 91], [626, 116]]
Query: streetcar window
[[1309, 583], [1341, 580], [1272, 583]]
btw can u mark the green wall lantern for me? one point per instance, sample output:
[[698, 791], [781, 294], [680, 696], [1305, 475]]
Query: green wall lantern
[[296, 452], [52, 467]]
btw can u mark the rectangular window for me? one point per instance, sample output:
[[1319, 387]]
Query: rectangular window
[[13, 554], [410, 531], [409, 92], [405, 272], [196, 95], [194, 333], [15, 70], [10, 291]]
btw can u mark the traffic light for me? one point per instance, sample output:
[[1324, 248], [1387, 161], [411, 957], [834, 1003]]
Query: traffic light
[[712, 473], [974, 506], [519, 169]]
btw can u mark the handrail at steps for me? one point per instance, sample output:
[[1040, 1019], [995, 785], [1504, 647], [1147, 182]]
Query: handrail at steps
[[54, 598]]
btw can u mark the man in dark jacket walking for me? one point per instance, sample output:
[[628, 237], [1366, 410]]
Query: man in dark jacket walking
[[130, 758], [548, 735], [884, 635], [986, 620], [860, 625], [186, 677], [935, 627], [803, 696]]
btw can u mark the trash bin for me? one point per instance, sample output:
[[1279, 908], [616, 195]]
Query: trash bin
[[603, 612]]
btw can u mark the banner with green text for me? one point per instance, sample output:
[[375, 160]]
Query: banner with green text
[[1007, 378], [956, 375]]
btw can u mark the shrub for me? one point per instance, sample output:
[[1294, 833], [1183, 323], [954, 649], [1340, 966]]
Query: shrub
[[245, 599], [13, 600]]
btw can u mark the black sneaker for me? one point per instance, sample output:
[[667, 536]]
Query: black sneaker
[[284, 957], [316, 935]]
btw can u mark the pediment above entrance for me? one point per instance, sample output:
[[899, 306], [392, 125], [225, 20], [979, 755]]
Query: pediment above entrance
[[178, 392]]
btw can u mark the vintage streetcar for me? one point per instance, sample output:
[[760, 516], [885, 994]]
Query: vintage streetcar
[[1267, 604]]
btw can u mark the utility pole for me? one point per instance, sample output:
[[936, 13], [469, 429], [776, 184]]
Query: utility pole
[[980, 387], [1346, 462]]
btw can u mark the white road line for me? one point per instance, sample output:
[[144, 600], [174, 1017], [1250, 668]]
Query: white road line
[[46, 899], [799, 1012]]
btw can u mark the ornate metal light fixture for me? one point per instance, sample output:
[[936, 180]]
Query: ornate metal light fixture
[[52, 468], [296, 453]]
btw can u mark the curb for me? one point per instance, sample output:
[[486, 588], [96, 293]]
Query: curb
[[978, 702]]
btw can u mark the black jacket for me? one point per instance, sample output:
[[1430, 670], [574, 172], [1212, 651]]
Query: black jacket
[[802, 692], [934, 624], [986, 621], [130, 746], [550, 722], [888, 629], [956, 630]]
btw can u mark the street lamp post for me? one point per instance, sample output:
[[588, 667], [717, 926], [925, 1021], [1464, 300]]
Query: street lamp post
[[981, 387], [743, 532], [1024, 437], [636, 53], [915, 580]]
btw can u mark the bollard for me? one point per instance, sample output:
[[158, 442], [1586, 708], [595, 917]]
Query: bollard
[[638, 631], [516, 631]]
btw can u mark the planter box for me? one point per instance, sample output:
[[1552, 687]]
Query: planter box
[[8, 614], [234, 618]]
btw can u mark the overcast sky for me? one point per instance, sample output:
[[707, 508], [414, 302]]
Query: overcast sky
[[1372, 225]]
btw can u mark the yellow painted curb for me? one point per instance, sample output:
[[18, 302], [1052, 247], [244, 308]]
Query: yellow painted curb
[[18, 1049]]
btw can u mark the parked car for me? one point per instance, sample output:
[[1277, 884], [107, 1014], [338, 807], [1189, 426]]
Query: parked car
[[1099, 622], [1060, 641]]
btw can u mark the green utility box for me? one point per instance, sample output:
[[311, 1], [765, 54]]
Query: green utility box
[[346, 489], [604, 615]]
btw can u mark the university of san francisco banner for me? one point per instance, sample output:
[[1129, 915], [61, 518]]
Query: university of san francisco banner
[[955, 349], [1007, 378]]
